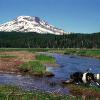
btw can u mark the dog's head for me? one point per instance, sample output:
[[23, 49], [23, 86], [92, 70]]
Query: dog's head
[[90, 77]]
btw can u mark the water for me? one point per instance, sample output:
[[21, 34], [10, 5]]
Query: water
[[70, 64], [67, 65]]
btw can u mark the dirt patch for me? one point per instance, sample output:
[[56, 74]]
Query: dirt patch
[[12, 64], [21, 55]]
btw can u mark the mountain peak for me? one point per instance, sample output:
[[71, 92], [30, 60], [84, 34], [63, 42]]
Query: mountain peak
[[26, 18], [30, 24]]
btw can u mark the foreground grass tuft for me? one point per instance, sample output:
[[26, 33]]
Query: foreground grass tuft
[[15, 93]]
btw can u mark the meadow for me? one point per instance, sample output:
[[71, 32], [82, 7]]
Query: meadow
[[28, 61], [15, 93]]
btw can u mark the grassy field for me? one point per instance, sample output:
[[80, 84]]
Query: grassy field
[[84, 52], [31, 63], [77, 51], [14, 93], [25, 62], [24, 49], [81, 52]]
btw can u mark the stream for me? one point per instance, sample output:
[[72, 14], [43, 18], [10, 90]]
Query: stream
[[67, 65]]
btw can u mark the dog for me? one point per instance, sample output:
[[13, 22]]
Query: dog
[[86, 78]]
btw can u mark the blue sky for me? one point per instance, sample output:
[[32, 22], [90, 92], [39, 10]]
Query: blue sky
[[70, 15]]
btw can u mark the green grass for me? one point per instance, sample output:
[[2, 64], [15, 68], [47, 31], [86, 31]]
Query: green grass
[[9, 89], [33, 67], [83, 52], [77, 51], [24, 49], [45, 58], [90, 52], [37, 67], [15, 93], [7, 56]]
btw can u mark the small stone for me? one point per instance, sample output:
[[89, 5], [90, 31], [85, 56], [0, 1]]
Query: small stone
[[49, 74]]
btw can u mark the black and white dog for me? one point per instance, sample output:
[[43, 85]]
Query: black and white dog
[[87, 77]]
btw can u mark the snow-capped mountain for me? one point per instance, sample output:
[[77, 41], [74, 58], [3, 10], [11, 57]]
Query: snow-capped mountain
[[30, 24]]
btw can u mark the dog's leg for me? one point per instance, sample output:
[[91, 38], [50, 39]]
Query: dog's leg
[[94, 83], [97, 84]]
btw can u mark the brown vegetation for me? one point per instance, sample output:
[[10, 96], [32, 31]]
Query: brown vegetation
[[12, 64], [80, 90]]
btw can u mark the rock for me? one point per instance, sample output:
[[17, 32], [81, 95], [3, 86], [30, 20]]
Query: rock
[[38, 74], [49, 74]]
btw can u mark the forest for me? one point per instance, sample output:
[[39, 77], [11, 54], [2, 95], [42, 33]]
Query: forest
[[36, 40]]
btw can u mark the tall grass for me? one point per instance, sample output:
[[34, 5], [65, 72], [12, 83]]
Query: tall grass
[[45, 58]]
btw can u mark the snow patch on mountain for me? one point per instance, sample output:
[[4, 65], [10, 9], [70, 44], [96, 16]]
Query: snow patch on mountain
[[30, 24]]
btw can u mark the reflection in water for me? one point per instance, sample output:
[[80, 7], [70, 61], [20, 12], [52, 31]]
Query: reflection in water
[[68, 65]]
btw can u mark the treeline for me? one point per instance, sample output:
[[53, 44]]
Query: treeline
[[35, 40]]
